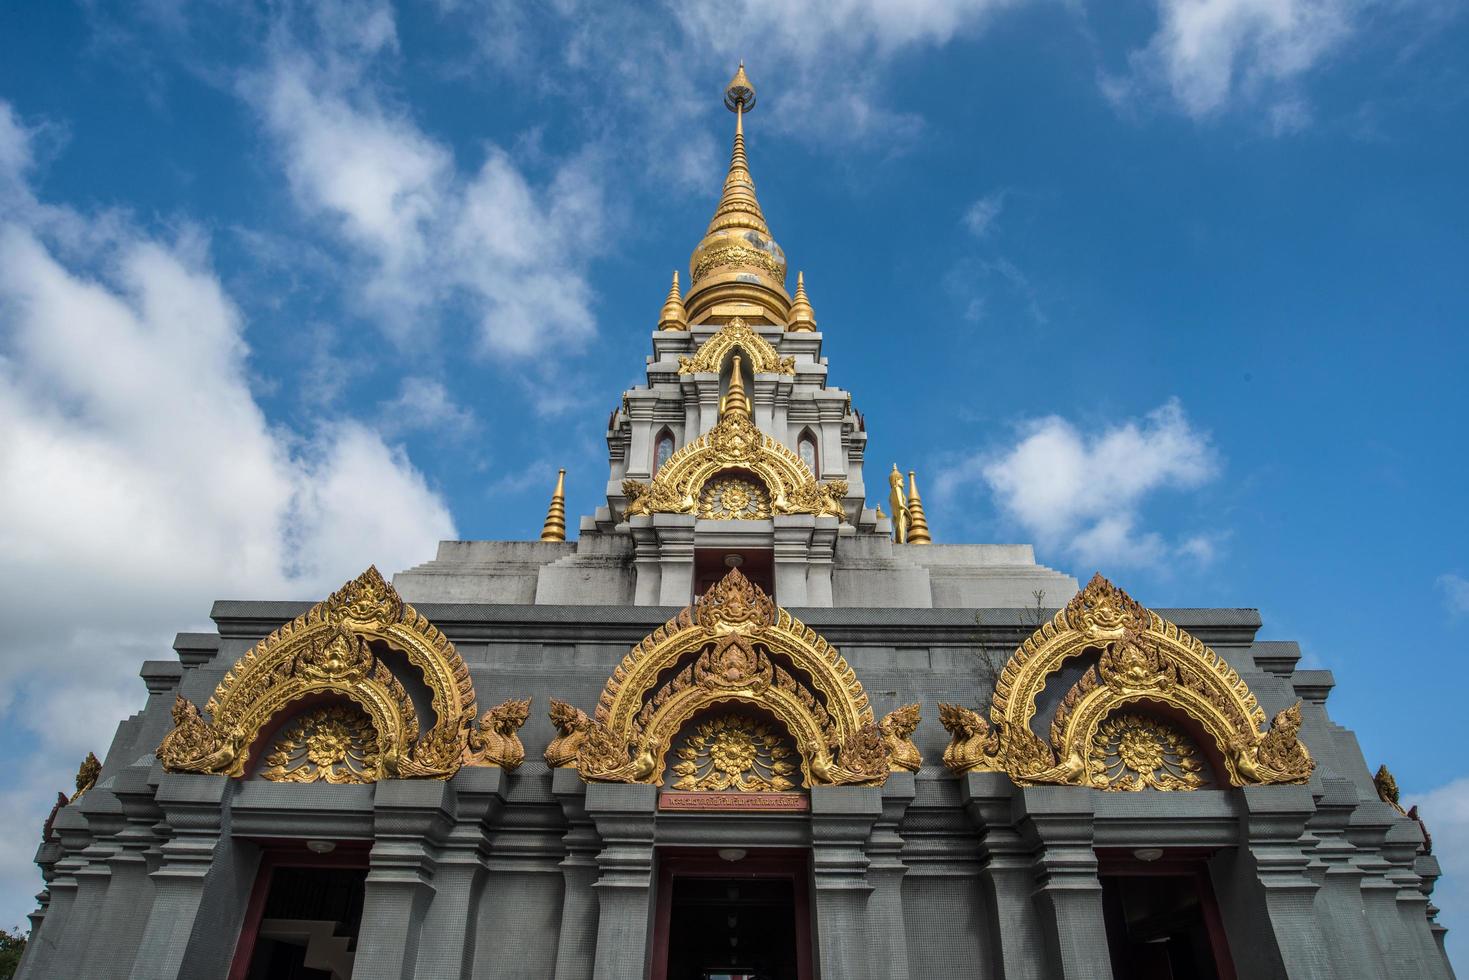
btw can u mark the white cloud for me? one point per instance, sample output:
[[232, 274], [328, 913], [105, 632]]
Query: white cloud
[[981, 216], [142, 481], [1455, 589], [1208, 54], [427, 237], [1084, 492], [1445, 811], [426, 404]]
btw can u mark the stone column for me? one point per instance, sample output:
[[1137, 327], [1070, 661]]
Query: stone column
[[410, 816], [675, 558], [446, 944], [1266, 897], [1007, 877], [1058, 821], [624, 815], [196, 810], [125, 914], [46, 947], [648, 573], [842, 818], [1334, 867], [887, 932], [792, 547], [93, 876], [819, 562], [1400, 850], [576, 943]]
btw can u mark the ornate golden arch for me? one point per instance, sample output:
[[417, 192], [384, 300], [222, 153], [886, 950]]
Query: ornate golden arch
[[735, 444], [736, 334], [326, 651], [734, 646], [1143, 660]]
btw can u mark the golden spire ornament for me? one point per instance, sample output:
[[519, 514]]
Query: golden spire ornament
[[674, 316], [737, 263], [899, 506], [735, 401], [803, 318], [917, 523], [555, 527]]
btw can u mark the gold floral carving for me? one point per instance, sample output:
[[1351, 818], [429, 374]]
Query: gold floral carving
[[736, 335], [897, 729], [330, 651], [733, 499], [734, 646], [87, 775], [1140, 657], [1133, 752], [734, 444], [336, 744], [738, 256], [734, 752]]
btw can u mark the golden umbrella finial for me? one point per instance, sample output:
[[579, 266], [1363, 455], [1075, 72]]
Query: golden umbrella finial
[[917, 523], [555, 527], [803, 318], [739, 94], [674, 316], [735, 400]]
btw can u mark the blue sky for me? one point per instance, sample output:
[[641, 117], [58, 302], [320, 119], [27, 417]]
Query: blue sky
[[1173, 288]]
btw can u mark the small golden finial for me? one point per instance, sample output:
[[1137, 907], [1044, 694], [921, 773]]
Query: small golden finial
[[880, 514], [735, 401], [739, 94], [917, 523], [674, 316], [899, 506], [555, 527], [803, 318]]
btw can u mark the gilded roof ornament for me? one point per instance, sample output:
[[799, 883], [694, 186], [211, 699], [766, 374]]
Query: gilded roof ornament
[[734, 645], [899, 505], [803, 317], [554, 529], [735, 443], [330, 653], [736, 335], [1142, 663], [737, 261], [87, 775], [917, 523], [674, 316]]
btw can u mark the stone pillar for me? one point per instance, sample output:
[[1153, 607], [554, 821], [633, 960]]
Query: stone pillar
[[196, 810], [647, 572], [46, 947], [792, 547], [1400, 850], [842, 818], [624, 815], [708, 404], [1350, 948], [446, 944], [93, 876], [125, 914], [675, 558], [887, 932], [1266, 897], [1007, 877], [410, 816], [1058, 821], [576, 943], [819, 562]]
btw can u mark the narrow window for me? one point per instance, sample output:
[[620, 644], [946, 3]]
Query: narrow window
[[662, 449], [807, 449]]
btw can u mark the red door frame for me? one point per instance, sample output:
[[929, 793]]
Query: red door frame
[[1179, 862], [285, 854], [689, 862]]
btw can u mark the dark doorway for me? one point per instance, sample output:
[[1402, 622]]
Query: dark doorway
[[1162, 924], [732, 920], [303, 920]]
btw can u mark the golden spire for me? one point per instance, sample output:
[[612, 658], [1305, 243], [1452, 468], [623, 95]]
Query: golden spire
[[555, 527], [898, 505], [735, 401], [674, 316], [917, 523], [803, 318], [737, 262]]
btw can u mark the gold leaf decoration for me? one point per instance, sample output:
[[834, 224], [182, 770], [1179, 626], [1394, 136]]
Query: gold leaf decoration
[[335, 744], [737, 335], [1133, 752], [735, 753]]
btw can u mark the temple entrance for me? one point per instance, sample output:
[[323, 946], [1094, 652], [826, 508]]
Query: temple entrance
[[721, 919], [1162, 921], [303, 917]]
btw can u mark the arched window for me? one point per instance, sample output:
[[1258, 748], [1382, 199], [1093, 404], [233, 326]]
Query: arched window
[[662, 449], [806, 447]]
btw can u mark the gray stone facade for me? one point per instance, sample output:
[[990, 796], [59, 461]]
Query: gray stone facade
[[534, 873]]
